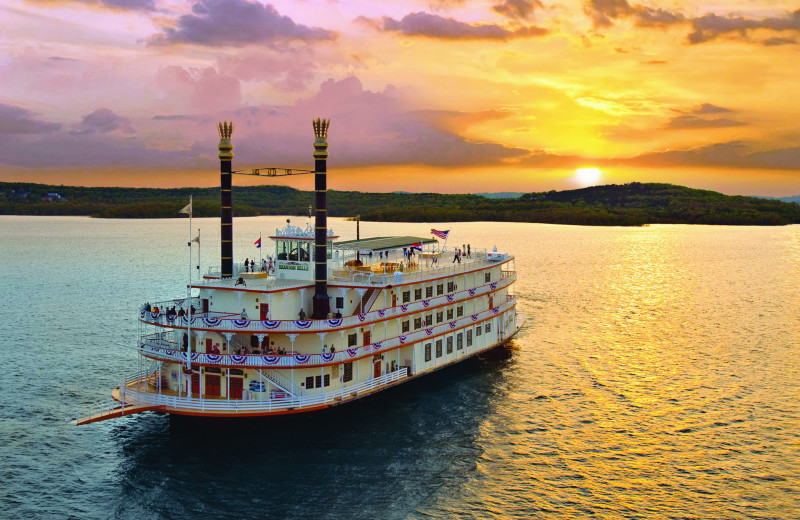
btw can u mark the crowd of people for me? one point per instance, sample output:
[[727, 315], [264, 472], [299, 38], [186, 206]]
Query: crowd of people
[[267, 265]]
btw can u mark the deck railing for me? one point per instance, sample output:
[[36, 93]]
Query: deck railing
[[231, 322], [133, 396], [155, 348]]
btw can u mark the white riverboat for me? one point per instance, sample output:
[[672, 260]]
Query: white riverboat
[[331, 322]]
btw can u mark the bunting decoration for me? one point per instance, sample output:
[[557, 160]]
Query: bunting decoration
[[238, 359], [188, 320], [301, 358], [142, 313], [270, 324], [381, 312], [213, 358], [362, 317], [453, 324], [428, 331], [327, 356], [471, 292], [493, 286], [271, 360], [335, 322], [377, 345], [352, 351], [170, 353], [194, 355], [426, 303], [496, 310], [154, 316], [302, 324], [211, 322], [403, 338], [240, 324], [474, 317], [404, 308], [450, 297]]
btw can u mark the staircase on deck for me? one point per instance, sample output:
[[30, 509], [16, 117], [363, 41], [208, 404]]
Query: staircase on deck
[[368, 300]]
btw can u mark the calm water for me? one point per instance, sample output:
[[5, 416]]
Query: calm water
[[657, 377]]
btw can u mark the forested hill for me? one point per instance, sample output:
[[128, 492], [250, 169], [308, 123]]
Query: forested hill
[[627, 205]]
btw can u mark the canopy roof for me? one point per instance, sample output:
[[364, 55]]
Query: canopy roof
[[382, 243]]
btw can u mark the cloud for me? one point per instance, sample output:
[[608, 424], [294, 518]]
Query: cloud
[[102, 121], [199, 90], [517, 9], [711, 26], [219, 23], [16, 120], [119, 5], [708, 108], [287, 71], [604, 12], [689, 121], [772, 42], [734, 154], [435, 26]]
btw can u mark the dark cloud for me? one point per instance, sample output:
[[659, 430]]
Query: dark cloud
[[772, 42], [736, 154], [130, 5], [235, 23], [711, 26], [102, 121], [708, 108], [175, 117], [604, 12], [517, 9], [435, 26], [16, 120], [688, 121]]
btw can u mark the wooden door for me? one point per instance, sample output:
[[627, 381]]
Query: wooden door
[[394, 300], [264, 310], [491, 300], [208, 344], [237, 384], [376, 369], [212, 385], [367, 337], [205, 304], [195, 384]]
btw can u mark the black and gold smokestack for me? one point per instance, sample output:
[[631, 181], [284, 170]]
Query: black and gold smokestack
[[226, 210], [321, 303]]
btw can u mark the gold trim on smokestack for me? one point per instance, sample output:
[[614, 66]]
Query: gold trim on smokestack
[[225, 145], [321, 133]]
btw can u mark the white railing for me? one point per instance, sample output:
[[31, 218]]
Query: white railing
[[154, 348], [282, 382], [230, 322], [133, 396]]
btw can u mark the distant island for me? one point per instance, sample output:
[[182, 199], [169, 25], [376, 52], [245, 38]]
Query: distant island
[[633, 204]]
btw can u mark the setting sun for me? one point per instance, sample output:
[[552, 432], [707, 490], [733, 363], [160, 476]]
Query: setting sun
[[587, 176]]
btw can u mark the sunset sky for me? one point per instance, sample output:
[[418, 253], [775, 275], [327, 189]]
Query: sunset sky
[[448, 96]]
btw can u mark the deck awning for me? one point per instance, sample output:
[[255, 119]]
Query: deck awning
[[382, 243]]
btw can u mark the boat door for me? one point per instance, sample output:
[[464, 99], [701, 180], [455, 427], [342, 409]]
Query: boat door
[[394, 300], [195, 384], [237, 385], [205, 305], [491, 300], [376, 369], [212, 385], [264, 310], [367, 337], [208, 344]]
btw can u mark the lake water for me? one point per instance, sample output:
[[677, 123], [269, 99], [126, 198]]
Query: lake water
[[657, 377]]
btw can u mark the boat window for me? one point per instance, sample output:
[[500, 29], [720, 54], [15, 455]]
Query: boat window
[[406, 296], [429, 320], [427, 352], [406, 325], [469, 338], [478, 330], [330, 249], [347, 373], [417, 323], [429, 292], [487, 277], [440, 289], [304, 251], [417, 294], [282, 252], [439, 316], [459, 311], [293, 250], [451, 287], [318, 381], [352, 339], [327, 380], [438, 348], [459, 341], [449, 344], [339, 302], [449, 314], [310, 382], [488, 327]]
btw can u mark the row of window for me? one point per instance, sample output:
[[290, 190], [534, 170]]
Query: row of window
[[448, 343], [318, 381], [418, 323], [451, 287]]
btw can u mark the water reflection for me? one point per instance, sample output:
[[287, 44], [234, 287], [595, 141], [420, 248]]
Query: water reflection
[[379, 458]]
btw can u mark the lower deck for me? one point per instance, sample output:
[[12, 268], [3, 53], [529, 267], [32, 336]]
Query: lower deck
[[145, 391]]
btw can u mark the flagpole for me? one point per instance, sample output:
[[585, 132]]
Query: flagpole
[[189, 310]]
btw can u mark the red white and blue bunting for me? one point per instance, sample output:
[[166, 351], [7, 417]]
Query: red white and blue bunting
[[301, 358], [426, 303], [270, 360], [471, 292], [428, 331], [240, 324], [362, 317], [213, 358], [270, 324], [238, 359], [493, 286], [352, 351], [377, 345], [403, 338], [453, 324], [381, 312], [302, 324], [327, 356], [335, 322], [212, 322], [496, 310], [474, 317], [404, 308], [450, 297]]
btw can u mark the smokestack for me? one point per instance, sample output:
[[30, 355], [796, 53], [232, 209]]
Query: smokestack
[[226, 210], [321, 303]]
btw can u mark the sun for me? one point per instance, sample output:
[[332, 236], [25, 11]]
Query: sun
[[587, 176]]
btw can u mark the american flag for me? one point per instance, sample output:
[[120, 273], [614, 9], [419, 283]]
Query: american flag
[[440, 234]]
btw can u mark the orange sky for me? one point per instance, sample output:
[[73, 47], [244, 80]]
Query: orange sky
[[450, 96]]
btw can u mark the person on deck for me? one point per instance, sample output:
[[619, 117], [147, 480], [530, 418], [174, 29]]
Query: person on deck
[[244, 314], [302, 314]]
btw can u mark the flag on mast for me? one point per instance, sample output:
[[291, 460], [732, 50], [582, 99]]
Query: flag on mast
[[257, 243], [197, 238], [187, 209], [440, 234]]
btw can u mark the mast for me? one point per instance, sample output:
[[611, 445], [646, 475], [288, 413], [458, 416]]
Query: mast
[[321, 302]]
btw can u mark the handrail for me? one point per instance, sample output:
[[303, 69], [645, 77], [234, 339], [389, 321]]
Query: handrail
[[231, 322], [137, 397], [155, 351]]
